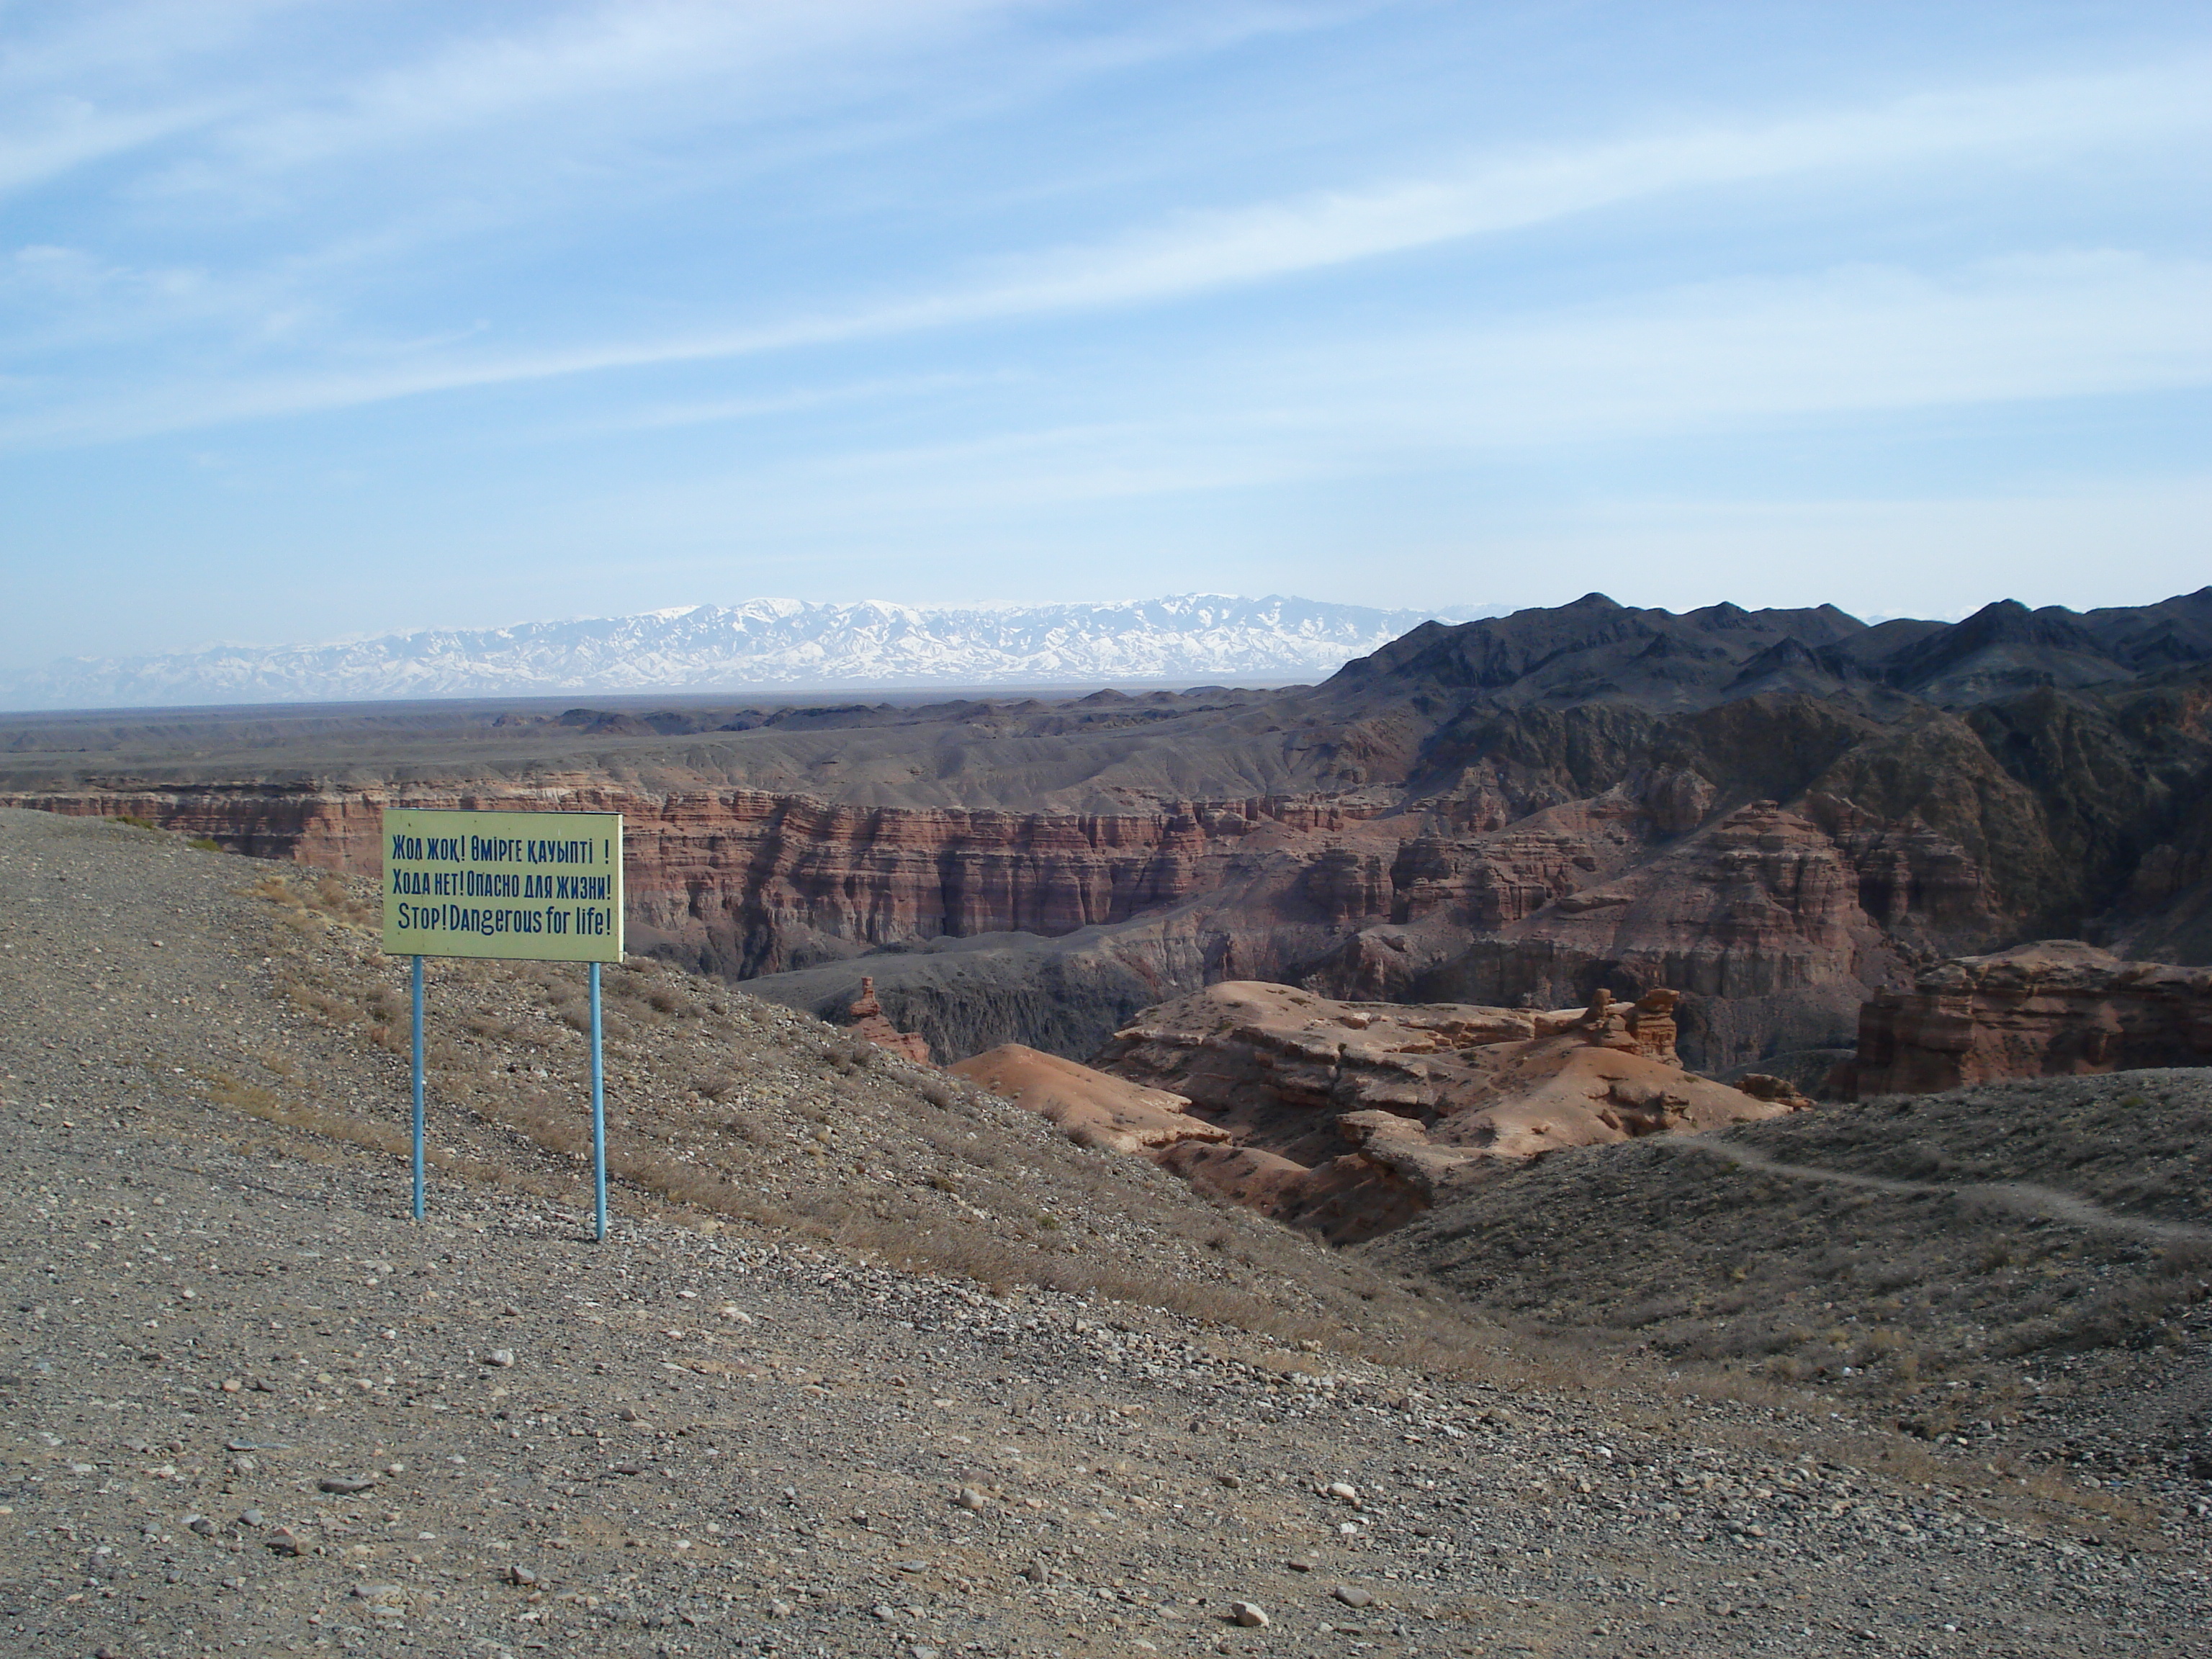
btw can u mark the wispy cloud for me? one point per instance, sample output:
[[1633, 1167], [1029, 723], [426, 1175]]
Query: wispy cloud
[[1857, 338], [1704, 358], [71, 133], [589, 62], [1189, 253], [1490, 195]]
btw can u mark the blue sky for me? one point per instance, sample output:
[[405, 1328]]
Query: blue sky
[[320, 319]]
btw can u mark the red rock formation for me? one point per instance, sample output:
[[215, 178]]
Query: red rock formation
[[1350, 1117], [866, 1020], [745, 882], [1762, 915], [2056, 1008]]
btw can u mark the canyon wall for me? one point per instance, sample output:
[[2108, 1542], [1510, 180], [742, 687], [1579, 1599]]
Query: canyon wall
[[747, 882], [2055, 1008], [1051, 928]]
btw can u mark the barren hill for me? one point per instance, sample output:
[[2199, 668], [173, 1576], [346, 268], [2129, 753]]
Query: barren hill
[[2020, 1266]]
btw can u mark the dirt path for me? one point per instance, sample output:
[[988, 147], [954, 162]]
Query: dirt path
[[2025, 1197]]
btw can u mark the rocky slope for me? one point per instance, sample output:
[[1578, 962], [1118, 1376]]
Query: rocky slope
[[2020, 1264], [1782, 812], [247, 1406], [2055, 1008]]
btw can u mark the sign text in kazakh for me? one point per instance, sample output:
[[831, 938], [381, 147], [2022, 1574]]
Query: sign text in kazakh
[[535, 887]]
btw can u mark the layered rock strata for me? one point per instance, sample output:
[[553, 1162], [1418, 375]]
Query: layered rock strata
[[1350, 1118], [2055, 1008], [747, 883]]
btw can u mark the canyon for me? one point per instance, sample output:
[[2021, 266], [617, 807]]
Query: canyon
[[1782, 814]]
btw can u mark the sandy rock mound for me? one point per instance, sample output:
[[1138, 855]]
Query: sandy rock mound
[[1090, 1106], [1353, 1117]]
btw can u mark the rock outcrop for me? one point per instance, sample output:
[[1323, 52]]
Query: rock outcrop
[[865, 1017], [1349, 1118], [2055, 1008]]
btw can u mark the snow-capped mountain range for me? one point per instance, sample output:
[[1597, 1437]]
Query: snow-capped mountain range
[[781, 645]]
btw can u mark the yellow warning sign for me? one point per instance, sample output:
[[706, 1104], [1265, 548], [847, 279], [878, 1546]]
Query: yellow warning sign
[[530, 886]]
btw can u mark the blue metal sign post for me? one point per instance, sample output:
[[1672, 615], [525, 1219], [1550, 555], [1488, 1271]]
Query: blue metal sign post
[[599, 1119], [418, 1088], [555, 887]]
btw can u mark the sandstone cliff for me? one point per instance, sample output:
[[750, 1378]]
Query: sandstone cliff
[[2055, 1008]]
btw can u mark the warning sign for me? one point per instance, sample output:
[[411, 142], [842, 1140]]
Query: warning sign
[[536, 886]]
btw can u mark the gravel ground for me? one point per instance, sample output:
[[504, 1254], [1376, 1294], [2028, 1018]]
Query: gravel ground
[[247, 1406], [2024, 1269]]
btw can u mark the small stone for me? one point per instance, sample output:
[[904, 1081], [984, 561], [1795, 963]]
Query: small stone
[[629, 1469], [518, 1574], [285, 1541], [780, 1609], [1251, 1614], [911, 1567], [250, 1518], [1353, 1597], [347, 1485], [500, 1358], [1301, 1564], [884, 1611], [233, 1385], [1232, 1481], [970, 1499], [1350, 1494], [202, 1525], [630, 1414], [1036, 1572], [510, 1311]]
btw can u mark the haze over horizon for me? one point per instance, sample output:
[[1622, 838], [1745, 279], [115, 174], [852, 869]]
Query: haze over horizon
[[327, 320]]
